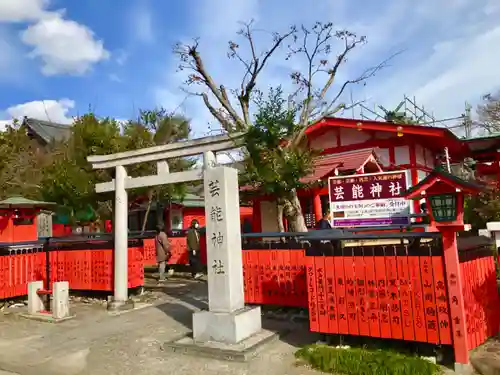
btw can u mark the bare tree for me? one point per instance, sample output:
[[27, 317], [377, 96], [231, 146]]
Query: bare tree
[[489, 114], [317, 93]]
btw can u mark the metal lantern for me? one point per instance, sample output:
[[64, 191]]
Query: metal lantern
[[444, 207]]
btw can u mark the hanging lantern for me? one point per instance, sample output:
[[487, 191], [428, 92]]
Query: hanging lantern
[[444, 207]]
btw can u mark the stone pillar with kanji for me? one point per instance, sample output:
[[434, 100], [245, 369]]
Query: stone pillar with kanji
[[227, 319]]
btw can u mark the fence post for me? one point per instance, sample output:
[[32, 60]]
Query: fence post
[[494, 228], [455, 297]]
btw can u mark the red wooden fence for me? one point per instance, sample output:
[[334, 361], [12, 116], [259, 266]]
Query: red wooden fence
[[84, 269], [380, 291], [275, 277], [481, 298]]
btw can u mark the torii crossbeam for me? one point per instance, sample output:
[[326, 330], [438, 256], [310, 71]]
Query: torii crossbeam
[[206, 146]]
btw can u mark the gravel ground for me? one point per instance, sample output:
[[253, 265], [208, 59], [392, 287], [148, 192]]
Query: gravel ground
[[96, 342]]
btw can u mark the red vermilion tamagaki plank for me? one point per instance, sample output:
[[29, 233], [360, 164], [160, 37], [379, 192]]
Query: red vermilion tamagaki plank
[[263, 264], [282, 280], [321, 288], [484, 299], [393, 292], [294, 273], [472, 283], [382, 296], [288, 260], [246, 278], [331, 305], [253, 257], [361, 296], [477, 298], [487, 302], [2, 277], [341, 295], [371, 294], [273, 282], [484, 294], [311, 294], [429, 300], [494, 306], [301, 279], [268, 278], [405, 297], [417, 299], [350, 290], [443, 313]]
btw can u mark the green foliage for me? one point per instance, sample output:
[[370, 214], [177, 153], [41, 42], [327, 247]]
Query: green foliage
[[361, 361], [59, 172], [153, 128], [482, 208], [272, 165], [70, 179], [21, 163]]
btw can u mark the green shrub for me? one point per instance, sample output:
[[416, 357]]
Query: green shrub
[[361, 361]]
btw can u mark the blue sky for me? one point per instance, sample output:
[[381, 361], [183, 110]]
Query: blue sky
[[59, 58]]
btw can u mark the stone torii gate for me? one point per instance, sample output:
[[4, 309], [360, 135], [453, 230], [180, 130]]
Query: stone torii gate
[[227, 321]]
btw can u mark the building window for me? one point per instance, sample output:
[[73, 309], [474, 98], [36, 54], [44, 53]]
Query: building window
[[176, 219]]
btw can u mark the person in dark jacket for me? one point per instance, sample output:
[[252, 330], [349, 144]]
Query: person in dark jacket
[[162, 251], [324, 222], [193, 245]]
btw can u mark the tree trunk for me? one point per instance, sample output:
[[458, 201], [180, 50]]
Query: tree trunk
[[293, 213], [146, 216]]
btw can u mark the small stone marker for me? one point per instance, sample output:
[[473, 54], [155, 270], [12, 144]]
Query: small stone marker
[[35, 301], [60, 300], [227, 320]]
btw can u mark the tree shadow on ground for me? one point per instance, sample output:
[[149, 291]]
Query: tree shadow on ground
[[296, 334]]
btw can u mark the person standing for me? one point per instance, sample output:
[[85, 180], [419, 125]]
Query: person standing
[[162, 251], [324, 222], [193, 245]]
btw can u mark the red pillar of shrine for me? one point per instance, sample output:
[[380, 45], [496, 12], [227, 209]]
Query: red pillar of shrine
[[318, 210], [256, 217], [456, 299]]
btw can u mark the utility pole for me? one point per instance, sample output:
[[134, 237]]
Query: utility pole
[[467, 121]]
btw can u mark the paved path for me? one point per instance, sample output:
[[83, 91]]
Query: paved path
[[96, 342]]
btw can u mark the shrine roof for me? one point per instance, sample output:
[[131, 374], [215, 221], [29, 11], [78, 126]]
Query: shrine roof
[[438, 175], [20, 202], [343, 162], [441, 137], [48, 131], [489, 142]]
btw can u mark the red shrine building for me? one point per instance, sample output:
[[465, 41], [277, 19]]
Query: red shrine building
[[353, 147]]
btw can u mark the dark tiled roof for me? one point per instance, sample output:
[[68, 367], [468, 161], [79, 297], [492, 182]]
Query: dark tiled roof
[[48, 130]]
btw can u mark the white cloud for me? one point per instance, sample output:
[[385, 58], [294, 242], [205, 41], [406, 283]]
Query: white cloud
[[22, 10], [48, 110], [65, 46], [142, 21]]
